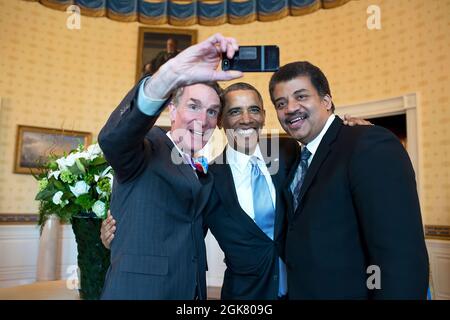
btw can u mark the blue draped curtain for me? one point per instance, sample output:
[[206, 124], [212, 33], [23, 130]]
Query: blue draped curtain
[[189, 12]]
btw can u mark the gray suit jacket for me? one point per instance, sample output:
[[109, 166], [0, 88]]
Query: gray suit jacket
[[158, 251]]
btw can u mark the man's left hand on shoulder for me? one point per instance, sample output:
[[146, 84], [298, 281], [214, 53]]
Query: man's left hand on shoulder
[[355, 121]]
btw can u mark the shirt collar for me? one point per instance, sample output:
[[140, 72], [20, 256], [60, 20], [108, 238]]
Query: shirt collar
[[184, 154], [314, 144], [240, 160], [178, 149]]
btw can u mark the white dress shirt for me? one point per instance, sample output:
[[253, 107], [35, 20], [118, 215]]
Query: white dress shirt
[[313, 146], [186, 157], [241, 168]]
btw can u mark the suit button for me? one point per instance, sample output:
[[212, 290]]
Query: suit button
[[194, 259], [275, 277]]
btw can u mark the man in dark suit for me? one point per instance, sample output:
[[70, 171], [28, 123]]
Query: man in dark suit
[[252, 255], [236, 210], [159, 252], [354, 224], [165, 55]]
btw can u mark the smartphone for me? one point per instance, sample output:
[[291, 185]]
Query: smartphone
[[253, 59]]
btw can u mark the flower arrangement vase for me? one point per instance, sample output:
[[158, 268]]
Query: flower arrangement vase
[[93, 257]]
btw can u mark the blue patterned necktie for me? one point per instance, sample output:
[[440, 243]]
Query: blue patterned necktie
[[265, 215], [262, 200], [300, 175]]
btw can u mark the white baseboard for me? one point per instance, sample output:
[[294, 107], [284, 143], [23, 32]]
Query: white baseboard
[[439, 255], [19, 246]]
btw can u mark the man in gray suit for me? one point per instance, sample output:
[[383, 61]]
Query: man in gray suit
[[158, 195]]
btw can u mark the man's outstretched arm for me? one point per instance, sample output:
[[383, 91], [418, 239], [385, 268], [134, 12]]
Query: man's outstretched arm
[[122, 139]]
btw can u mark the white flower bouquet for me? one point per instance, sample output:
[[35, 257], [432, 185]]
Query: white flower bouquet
[[76, 184]]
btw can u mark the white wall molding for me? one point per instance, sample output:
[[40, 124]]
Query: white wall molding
[[19, 247], [439, 255], [406, 104]]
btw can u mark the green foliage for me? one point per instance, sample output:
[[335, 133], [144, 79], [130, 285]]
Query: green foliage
[[67, 177], [71, 185], [104, 185], [85, 201]]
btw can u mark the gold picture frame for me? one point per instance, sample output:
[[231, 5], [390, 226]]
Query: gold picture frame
[[35, 144]]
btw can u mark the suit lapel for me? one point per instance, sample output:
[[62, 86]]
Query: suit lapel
[[202, 197], [320, 156], [224, 185], [277, 180], [185, 169]]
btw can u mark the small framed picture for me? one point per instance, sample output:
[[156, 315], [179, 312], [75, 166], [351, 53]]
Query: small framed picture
[[158, 45], [35, 144]]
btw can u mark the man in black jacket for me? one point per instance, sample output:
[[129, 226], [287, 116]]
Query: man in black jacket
[[255, 269], [354, 224], [246, 211]]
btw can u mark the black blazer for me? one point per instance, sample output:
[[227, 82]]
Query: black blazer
[[251, 257], [358, 207], [158, 251]]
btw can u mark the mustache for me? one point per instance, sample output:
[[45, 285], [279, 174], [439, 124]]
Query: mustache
[[297, 114]]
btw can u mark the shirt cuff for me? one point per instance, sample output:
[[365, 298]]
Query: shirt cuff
[[146, 105]]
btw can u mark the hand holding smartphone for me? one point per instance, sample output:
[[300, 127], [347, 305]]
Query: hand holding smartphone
[[253, 59]]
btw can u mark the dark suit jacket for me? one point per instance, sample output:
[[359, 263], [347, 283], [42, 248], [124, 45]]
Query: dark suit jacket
[[251, 256], [158, 251], [358, 207]]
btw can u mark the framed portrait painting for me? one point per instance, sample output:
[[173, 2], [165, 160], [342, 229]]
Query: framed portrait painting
[[158, 45], [35, 144]]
